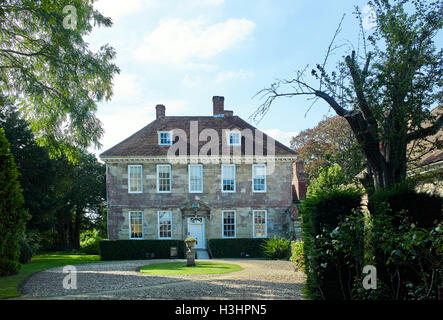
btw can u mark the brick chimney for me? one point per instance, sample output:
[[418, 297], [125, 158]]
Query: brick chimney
[[299, 186], [160, 111], [218, 106]]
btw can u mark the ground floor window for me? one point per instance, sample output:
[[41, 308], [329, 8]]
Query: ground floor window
[[260, 222], [165, 225], [228, 220], [136, 224]]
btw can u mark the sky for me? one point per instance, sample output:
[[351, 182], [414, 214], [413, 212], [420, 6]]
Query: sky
[[180, 53]]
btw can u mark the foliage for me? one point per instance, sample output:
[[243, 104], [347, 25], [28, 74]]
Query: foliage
[[25, 251], [333, 242], [180, 268], [297, 255], [9, 285], [237, 248], [384, 86], [12, 214], [50, 72], [328, 177], [130, 249], [331, 141], [89, 242], [277, 248]]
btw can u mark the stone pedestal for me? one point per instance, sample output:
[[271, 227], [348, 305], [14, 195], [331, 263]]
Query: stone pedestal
[[190, 259]]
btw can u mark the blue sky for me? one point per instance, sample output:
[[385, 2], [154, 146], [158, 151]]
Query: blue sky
[[181, 53]]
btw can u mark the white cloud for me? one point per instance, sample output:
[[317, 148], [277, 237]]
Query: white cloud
[[177, 41], [281, 136], [188, 81], [118, 8], [230, 75], [126, 87]]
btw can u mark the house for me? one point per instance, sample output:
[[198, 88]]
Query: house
[[209, 177]]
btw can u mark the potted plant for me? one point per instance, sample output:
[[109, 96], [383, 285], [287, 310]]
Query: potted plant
[[190, 243]]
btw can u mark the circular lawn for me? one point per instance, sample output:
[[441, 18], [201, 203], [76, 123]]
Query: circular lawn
[[180, 268]]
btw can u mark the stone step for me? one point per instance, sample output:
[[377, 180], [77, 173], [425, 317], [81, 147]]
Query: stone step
[[201, 254]]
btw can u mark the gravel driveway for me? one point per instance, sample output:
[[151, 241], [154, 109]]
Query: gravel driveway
[[260, 279]]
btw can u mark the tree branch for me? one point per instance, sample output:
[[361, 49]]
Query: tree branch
[[424, 132]]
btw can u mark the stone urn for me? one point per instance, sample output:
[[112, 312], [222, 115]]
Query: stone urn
[[190, 254]]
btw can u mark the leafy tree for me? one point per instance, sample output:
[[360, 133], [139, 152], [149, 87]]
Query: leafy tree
[[12, 215], [331, 141], [386, 90], [47, 69], [328, 178]]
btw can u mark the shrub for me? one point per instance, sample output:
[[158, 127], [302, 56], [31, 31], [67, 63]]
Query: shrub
[[12, 215], [89, 242], [8, 267], [138, 249], [333, 242], [237, 248], [297, 254], [277, 248], [25, 251]]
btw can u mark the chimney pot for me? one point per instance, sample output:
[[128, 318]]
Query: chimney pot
[[228, 113], [218, 105], [160, 111]]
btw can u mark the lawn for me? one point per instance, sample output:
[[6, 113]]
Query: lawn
[[9, 285], [180, 268]]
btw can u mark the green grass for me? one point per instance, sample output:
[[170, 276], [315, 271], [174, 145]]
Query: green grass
[[9, 285], [180, 268]]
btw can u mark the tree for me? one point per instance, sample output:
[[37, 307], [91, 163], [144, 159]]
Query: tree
[[331, 141], [384, 92], [48, 71], [12, 215]]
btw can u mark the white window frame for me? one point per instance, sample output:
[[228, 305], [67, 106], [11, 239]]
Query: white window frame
[[266, 223], [170, 178], [130, 226], [189, 178], [223, 224], [129, 178], [158, 225], [159, 138], [235, 178], [253, 177], [228, 137]]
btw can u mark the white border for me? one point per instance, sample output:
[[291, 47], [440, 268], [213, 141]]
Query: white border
[[129, 178], [223, 224], [266, 223], [170, 178], [266, 177], [189, 178], [170, 138], [143, 227], [158, 225], [235, 178]]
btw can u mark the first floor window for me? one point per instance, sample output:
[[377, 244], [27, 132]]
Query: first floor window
[[228, 177], [136, 224], [259, 178], [228, 224], [165, 225], [164, 178], [260, 223], [135, 179], [195, 178]]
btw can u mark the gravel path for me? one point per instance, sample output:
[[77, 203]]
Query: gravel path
[[260, 279]]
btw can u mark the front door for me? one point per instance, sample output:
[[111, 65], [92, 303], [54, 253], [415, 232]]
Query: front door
[[196, 229]]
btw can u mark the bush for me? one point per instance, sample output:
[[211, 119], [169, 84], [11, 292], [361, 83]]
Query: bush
[[237, 248], [25, 251], [12, 215], [9, 267], [277, 248], [333, 242], [138, 249], [297, 254], [89, 242]]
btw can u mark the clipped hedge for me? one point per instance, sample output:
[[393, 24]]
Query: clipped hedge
[[139, 249], [237, 248]]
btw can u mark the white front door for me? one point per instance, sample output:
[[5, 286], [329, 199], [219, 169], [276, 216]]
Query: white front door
[[196, 229]]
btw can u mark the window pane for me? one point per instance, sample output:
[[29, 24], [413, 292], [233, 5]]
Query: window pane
[[165, 138], [234, 138], [260, 223], [164, 178], [259, 176], [196, 178], [136, 223], [135, 178], [165, 224], [229, 224], [228, 172]]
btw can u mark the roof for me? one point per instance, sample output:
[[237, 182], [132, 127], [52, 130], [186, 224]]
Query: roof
[[144, 143]]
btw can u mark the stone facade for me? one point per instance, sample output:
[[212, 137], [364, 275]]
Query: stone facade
[[276, 200]]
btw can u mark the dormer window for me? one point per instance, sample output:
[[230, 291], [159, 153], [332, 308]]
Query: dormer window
[[164, 138], [234, 138]]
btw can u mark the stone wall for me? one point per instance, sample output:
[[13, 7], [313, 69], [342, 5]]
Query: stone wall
[[276, 200]]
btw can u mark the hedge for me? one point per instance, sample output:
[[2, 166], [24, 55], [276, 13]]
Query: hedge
[[237, 248], [139, 249]]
